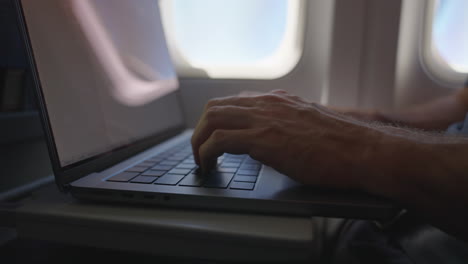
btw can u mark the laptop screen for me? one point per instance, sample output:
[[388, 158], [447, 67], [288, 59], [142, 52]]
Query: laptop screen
[[106, 75]]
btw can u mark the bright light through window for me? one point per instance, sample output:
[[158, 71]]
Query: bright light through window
[[229, 32], [450, 33], [234, 38]]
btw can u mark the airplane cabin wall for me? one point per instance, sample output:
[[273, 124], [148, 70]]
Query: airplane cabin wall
[[363, 61], [376, 56]]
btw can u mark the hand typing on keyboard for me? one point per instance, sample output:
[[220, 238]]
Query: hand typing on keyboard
[[300, 139], [425, 172]]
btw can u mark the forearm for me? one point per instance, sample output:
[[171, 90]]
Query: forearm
[[426, 173], [434, 115]]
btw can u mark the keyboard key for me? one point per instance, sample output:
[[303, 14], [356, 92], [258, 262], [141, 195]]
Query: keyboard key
[[219, 180], [156, 173], [186, 166], [155, 159], [248, 172], [239, 178], [192, 180], [143, 179], [169, 162], [230, 165], [138, 168], [250, 167], [182, 153], [228, 170], [163, 155], [249, 160], [176, 158], [241, 156], [169, 179], [123, 177], [237, 160], [189, 160], [147, 164], [180, 171], [162, 167], [242, 185]]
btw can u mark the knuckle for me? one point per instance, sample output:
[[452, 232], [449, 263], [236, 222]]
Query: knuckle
[[212, 102], [211, 113], [218, 135], [269, 130], [270, 113], [270, 98], [214, 114]]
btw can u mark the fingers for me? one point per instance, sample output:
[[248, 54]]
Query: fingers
[[250, 100], [246, 111], [232, 112], [226, 141], [245, 101], [220, 117]]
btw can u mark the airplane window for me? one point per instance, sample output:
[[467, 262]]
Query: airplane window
[[450, 33], [445, 46], [257, 39]]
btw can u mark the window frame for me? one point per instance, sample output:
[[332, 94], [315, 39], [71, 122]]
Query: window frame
[[434, 65], [289, 53]]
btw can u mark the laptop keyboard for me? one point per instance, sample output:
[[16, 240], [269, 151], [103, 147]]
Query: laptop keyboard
[[176, 167]]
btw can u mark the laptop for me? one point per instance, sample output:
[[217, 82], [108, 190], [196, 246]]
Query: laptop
[[115, 126]]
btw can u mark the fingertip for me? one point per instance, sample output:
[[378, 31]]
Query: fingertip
[[208, 166], [195, 156], [213, 163], [203, 169]]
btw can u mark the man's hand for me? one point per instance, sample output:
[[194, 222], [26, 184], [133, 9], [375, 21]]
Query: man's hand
[[305, 141]]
